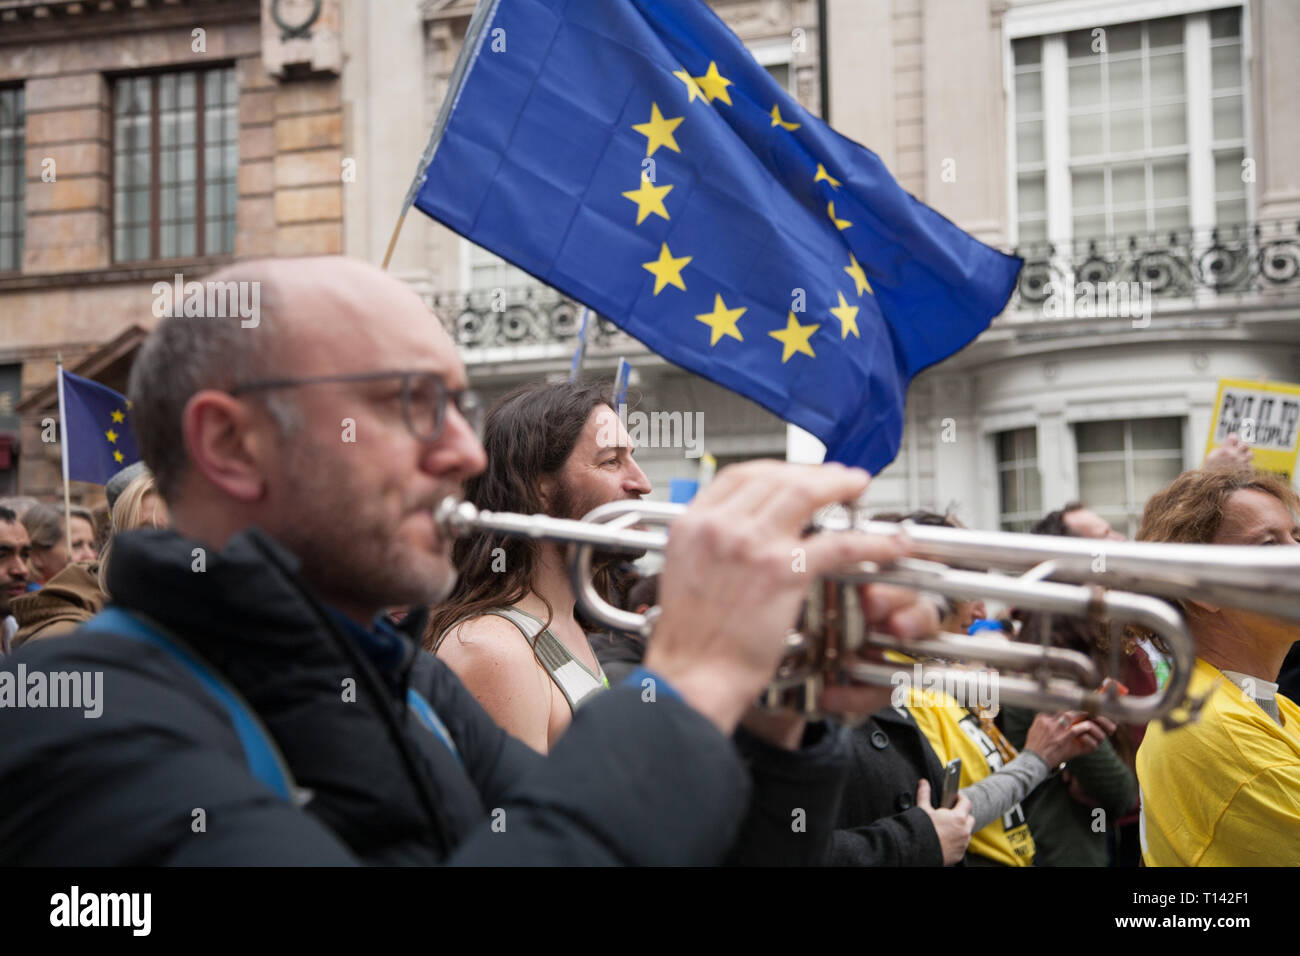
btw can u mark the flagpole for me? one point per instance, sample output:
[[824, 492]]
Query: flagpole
[[63, 446], [392, 243], [469, 49]]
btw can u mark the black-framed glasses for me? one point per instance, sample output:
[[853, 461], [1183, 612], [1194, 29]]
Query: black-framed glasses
[[424, 398]]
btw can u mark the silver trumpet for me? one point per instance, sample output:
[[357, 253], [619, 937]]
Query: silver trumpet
[[1115, 581]]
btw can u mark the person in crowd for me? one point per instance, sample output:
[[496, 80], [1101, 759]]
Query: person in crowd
[[510, 630], [136, 504], [52, 545], [1062, 812], [1073, 813], [244, 671], [620, 653], [15, 550], [1224, 790], [995, 778]]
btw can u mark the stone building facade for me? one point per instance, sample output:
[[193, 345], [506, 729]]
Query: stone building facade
[[147, 139]]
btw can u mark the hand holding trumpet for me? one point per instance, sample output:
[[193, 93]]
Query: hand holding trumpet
[[736, 573]]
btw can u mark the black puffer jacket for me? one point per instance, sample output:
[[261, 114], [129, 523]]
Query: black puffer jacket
[[630, 782]]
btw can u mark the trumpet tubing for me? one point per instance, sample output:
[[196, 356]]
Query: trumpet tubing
[[1117, 581]]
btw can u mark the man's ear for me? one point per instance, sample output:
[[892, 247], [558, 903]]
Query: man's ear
[[221, 440], [546, 489]]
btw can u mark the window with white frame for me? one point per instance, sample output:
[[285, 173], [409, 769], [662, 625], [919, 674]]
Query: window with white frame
[[1123, 463], [778, 59], [1131, 128], [483, 271], [1020, 483]]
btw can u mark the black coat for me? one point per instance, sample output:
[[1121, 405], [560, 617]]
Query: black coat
[[880, 823], [630, 782]]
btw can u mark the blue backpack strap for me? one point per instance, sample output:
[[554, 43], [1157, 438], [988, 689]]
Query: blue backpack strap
[[264, 760], [424, 713]]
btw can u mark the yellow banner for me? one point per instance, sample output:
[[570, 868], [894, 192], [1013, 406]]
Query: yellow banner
[[1265, 415]]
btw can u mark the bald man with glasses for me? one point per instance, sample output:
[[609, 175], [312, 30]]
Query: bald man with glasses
[[257, 710]]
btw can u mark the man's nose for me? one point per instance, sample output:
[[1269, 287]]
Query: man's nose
[[14, 568], [457, 454], [636, 481]]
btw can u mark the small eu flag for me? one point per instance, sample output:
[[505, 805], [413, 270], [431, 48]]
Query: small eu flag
[[633, 154], [97, 437]]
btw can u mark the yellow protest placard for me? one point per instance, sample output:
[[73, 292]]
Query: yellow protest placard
[[1265, 415]]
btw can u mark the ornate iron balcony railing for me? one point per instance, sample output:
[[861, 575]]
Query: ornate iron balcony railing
[[1259, 258], [524, 315], [1262, 257]]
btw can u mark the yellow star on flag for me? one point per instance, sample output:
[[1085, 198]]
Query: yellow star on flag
[[794, 338], [848, 316], [692, 88], [658, 131], [859, 277], [111, 435], [714, 85], [667, 270], [722, 321], [823, 176], [117, 415], [129, 406], [649, 198], [117, 457], [777, 121], [841, 224]]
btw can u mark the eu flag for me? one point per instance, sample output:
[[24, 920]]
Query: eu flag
[[97, 438], [633, 154]]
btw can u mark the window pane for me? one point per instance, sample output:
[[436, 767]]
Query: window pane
[[1124, 38], [1085, 135], [1089, 189], [1171, 217], [1125, 79], [1085, 84], [1026, 51], [1167, 31], [1169, 125], [1167, 76], [1225, 23], [1031, 193], [1129, 222], [781, 73], [1010, 492], [1227, 117], [1150, 475], [1029, 142], [1228, 171], [1100, 436], [1155, 434], [1033, 483], [1080, 43], [1090, 227], [1032, 230], [1102, 483], [1029, 93], [1230, 212], [1128, 183], [1126, 131], [1226, 66], [1169, 178]]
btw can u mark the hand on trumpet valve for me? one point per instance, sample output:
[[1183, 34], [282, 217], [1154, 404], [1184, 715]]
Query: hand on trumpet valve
[[737, 569]]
